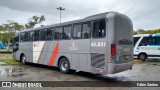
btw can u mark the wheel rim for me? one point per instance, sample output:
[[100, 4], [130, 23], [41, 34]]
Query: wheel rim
[[23, 59], [142, 57], [64, 65]]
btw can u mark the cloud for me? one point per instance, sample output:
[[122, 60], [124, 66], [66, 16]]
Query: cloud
[[144, 13]]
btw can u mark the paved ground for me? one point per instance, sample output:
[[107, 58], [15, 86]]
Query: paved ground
[[142, 71], [149, 71]]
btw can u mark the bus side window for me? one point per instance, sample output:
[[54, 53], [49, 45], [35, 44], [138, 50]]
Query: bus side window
[[144, 41], [22, 37], [99, 29], [49, 34], [77, 31], [67, 32], [151, 41], [43, 34], [31, 35], [26, 36], [86, 31], [36, 35], [58, 33], [157, 40]]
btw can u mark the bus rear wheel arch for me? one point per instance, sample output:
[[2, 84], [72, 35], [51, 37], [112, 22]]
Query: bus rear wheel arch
[[142, 56], [64, 65], [23, 58]]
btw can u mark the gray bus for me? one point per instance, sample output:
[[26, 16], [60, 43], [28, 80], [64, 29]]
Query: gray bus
[[99, 44]]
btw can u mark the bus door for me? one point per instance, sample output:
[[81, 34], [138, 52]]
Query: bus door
[[81, 46], [98, 45], [15, 46]]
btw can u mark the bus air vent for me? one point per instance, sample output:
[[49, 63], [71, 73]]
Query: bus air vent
[[98, 60]]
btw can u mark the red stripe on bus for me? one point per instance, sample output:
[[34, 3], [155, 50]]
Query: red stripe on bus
[[54, 55]]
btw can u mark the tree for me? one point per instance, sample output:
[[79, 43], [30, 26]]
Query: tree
[[8, 30], [140, 31], [34, 20], [135, 32]]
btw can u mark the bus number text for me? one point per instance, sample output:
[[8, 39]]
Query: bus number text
[[98, 44]]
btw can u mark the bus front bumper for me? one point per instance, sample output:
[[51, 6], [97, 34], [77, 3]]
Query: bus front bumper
[[119, 67]]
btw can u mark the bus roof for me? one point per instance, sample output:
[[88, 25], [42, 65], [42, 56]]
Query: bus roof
[[89, 18], [146, 35]]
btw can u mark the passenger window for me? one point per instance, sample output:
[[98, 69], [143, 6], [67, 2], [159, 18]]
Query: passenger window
[[157, 40], [22, 37], [77, 31], [31, 35], [49, 34], [36, 35], [99, 29], [86, 31], [26, 36], [151, 40], [67, 32], [144, 41], [58, 33], [43, 34]]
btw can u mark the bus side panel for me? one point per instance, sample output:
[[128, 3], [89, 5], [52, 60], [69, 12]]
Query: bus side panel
[[110, 40], [49, 49], [80, 49], [63, 51], [25, 48], [56, 50], [44, 52]]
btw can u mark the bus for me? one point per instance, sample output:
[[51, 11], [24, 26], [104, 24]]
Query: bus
[[147, 46], [99, 44]]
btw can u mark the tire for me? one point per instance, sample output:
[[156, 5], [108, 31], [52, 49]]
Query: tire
[[142, 57], [64, 65], [23, 59]]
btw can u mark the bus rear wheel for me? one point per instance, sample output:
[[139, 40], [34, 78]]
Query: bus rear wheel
[[64, 65], [23, 59], [142, 57]]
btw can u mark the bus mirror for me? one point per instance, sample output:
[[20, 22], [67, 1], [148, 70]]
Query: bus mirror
[[11, 41]]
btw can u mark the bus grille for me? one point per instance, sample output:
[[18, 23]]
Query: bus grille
[[98, 60]]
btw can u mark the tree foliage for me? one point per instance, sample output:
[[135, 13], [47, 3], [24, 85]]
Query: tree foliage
[[34, 20], [8, 30], [141, 31]]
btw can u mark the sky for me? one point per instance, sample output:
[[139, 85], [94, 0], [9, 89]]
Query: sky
[[145, 14]]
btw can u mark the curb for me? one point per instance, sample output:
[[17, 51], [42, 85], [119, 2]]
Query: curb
[[136, 60]]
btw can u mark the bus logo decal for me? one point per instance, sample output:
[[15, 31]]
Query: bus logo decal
[[54, 55], [37, 49], [73, 47]]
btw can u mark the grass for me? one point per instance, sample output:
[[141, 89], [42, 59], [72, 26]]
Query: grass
[[5, 51], [10, 61], [5, 56]]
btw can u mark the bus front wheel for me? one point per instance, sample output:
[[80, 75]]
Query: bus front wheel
[[23, 59], [64, 65], [142, 56]]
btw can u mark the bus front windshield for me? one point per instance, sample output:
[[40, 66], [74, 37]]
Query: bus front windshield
[[135, 40]]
